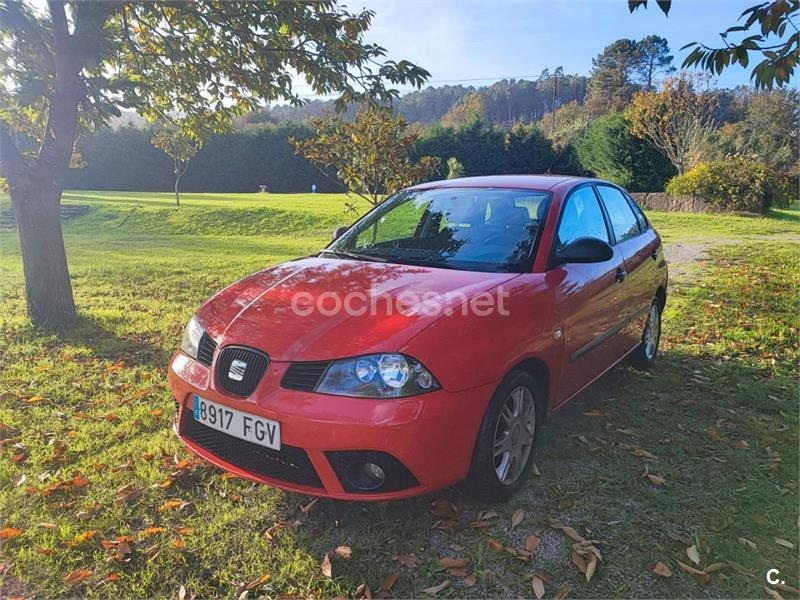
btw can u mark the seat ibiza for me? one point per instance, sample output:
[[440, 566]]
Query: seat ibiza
[[427, 343]]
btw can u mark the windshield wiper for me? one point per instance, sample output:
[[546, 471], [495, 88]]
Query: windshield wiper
[[422, 262], [355, 256]]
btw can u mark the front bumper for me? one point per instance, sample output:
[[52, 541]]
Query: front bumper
[[423, 443]]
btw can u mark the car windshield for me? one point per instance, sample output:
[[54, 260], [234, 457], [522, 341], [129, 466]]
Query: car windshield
[[470, 229]]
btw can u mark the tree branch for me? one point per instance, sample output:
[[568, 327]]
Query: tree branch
[[12, 165]]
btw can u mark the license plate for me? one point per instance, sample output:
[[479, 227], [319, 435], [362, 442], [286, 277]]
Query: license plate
[[242, 425]]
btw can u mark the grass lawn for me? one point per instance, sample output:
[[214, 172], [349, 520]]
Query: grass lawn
[[99, 499]]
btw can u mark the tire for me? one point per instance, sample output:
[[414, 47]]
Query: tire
[[645, 354], [485, 476]]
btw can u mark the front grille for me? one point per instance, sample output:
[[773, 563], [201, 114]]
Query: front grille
[[398, 477], [206, 349], [288, 464], [255, 363], [304, 376]]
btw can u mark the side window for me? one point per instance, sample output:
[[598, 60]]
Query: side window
[[582, 217], [637, 210], [623, 221]]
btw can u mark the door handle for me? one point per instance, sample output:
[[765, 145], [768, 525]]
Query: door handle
[[620, 275]]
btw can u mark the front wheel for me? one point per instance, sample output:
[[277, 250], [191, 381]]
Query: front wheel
[[503, 454], [645, 355]]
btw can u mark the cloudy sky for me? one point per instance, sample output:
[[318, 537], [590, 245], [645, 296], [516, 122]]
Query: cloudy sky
[[486, 40]]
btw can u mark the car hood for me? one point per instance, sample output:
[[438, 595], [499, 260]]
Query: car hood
[[290, 311]]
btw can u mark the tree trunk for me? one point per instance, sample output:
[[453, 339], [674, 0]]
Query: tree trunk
[[48, 290], [177, 196]]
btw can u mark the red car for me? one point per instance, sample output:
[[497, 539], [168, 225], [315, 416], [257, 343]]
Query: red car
[[427, 343]]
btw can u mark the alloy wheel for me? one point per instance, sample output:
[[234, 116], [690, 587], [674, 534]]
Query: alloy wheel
[[652, 331], [513, 436]]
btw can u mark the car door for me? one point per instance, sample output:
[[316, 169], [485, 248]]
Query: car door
[[639, 246], [589, 295]]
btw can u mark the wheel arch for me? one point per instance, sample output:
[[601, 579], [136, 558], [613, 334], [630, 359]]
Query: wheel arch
[[661, 296], [540, 372]]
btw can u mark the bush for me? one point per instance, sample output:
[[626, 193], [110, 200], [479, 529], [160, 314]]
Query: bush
[[735, 184], [610, 151]]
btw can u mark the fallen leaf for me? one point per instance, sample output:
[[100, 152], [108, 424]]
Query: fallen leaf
[[495, 545], [363, 592], [470, 580], [571, 533], [327, 568], [172, 505], [77, 576], [152, 531], [251, 585], [34, 399], [591, 567], [157, 412], [517, 517], [693, 554], [454, 563], [740, 569], [532, 542], [444, 509], [784, 543], [641, 453], [748, 543], [662, 570], [437, 588], [535, 471], [656, 479], [689, 569], [388, 582], [773, 593], [113, 577], [45, 551], [344, 552], [578, 561], [563, 591], [9, 533], [594, 413], [81, 538], [407, 560], [538, 587], [306, 510], [714, 567]]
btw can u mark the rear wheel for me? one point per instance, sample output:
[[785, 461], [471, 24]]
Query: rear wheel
[[503, 454], [645, 355]]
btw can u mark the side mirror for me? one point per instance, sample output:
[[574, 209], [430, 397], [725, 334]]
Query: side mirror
[[337, 233], [584, 250]]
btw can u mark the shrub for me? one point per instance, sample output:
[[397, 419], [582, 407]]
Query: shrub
[[736, 184]]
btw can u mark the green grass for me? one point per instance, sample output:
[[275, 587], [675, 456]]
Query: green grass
[[719, 412]]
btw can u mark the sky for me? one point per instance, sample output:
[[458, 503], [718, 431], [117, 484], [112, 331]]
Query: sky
[[488, 40]]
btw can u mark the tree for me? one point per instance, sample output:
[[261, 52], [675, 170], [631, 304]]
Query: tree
[[676, 120], [610, 151], [454, 168], [612, 86], [369, 155], [71, 69], [653, 59], [768, 131], [180, 148], [772, 20], [470, 108]]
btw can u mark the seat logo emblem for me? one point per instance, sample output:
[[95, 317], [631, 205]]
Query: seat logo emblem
[[236, 372]]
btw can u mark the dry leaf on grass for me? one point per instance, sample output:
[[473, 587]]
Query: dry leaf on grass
[[454, 562], [327, 568], [662, 570], [517, 517], [495, 545], [578, 561], [563, 591], [773, 593], [258, 581], [532, 542], [81, 538], [437, 588], [174, 505], [9, 533], [344, 552], [693, 554], [535, 471], [470, 580], [77, 576], [642, 453], [747, 543], [784, 543], [388, 582], [363, 592], [591, 567], [538, 587]]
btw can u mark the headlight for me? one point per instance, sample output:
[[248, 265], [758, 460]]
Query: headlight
[[377, 376], [191, 337]]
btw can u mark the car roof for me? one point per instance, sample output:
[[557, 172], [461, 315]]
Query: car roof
[[533, 182]]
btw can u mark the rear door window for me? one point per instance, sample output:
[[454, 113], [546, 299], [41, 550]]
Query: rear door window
[[620, 213]]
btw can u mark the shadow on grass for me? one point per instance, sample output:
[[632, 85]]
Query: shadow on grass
[[696, 416], [108, 345]]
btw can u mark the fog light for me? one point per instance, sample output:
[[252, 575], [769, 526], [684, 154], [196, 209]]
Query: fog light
[[365, 476]]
